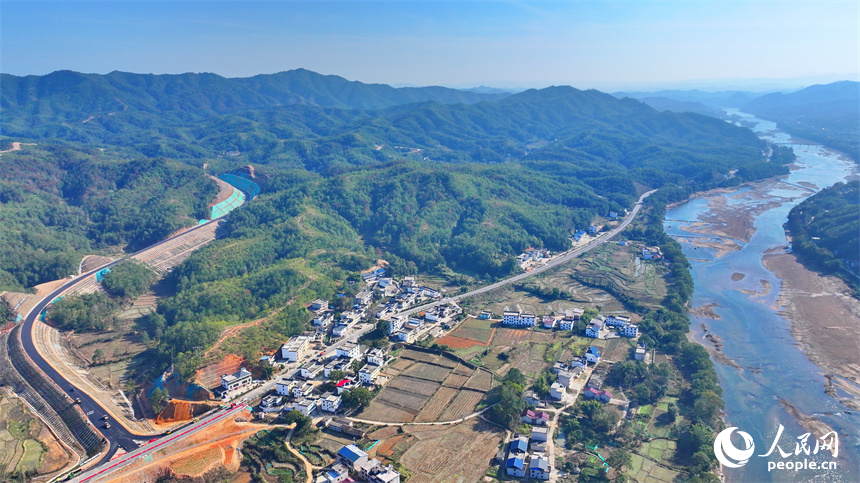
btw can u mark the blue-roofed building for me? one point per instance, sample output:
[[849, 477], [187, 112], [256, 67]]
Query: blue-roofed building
[[515, 466], [352, 457], [578, 234], [592, 355], [519, 445], [613, 215]]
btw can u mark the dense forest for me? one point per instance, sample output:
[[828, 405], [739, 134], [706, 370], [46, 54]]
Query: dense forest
[[58, 203], [825, 231], [828, 114]]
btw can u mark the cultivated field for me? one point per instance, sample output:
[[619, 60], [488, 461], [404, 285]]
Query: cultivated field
[[26, 445], [471, 333], [456, 453], [428, 387]]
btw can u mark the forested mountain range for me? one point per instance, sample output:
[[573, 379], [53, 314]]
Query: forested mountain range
[[72, 97], [58, 204], [828, 114]]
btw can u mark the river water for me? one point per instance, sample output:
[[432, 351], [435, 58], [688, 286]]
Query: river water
[[756, 337]]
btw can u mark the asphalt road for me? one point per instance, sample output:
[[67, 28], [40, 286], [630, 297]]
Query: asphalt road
[[117, 435], [104, 469], [554, 263]]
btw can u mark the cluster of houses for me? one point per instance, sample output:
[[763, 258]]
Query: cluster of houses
[[596, 328], [302, 388], [351, 459], [526, 456], [408, 329], [593, 390], [566, 373], [532, 254], [518, 319]]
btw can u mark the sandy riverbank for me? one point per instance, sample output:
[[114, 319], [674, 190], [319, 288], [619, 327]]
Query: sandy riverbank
[[729, 223], [825, 320]]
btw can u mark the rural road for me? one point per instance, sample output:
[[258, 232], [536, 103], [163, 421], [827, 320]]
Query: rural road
[[554, 263]]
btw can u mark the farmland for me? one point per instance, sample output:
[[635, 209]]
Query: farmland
[[428, 387], [455, 453], [26, 444], [471, 333]]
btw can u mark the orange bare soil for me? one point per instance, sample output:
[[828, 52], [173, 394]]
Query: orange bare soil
[[218, 445], [177, 410], [210, 376]]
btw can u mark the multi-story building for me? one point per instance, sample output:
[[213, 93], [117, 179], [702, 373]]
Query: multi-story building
[[294, 349], [349, 350], [369, 373], [237, 380]]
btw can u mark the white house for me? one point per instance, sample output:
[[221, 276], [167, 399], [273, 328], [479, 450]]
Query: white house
[[566, 323], [335, 365], [293, 350], [305, 406], [629, 330], [319, 305], [364, 297], [339, 330], [617, 320], [302, 391], [349, 350], [395, 324], [565, 377], [515, 318], [369, 373], [641, 350], [407, 336], [539, 467], [557, 391], [593, 329], [324, 319], [376, 357], [373, 471], [284, 386], [312, 370], [237, 380], [592, 355], [539, 433], [549, 322], [330, 402]]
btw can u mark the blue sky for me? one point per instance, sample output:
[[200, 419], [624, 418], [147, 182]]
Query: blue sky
[[586, 44]]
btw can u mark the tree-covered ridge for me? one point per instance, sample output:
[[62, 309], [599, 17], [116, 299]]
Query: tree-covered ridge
[[825, 231], [828, 114], [57, 203], [592, 129], [68, 96]]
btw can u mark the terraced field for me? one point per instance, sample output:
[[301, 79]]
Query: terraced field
[[428, 387]]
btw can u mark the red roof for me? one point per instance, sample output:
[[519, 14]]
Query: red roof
[[341, 383]]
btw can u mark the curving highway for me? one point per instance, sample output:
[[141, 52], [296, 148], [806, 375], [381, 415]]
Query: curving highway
[[117, 435]]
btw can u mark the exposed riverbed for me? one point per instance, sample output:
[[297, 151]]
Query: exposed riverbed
[[772, 352]]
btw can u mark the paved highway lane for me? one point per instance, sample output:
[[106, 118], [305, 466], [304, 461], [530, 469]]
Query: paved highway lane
[[117, 435], [105, 469]]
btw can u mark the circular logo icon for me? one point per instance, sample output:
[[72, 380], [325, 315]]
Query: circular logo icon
[[725, 451]]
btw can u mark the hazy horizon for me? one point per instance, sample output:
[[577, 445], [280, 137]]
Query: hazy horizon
[[754, 46]]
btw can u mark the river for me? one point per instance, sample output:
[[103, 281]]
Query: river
[[769, 366]]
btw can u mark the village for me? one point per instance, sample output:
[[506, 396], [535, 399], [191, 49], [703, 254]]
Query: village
[[319, 368]]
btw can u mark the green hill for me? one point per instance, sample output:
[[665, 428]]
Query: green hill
[[828, 114]]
